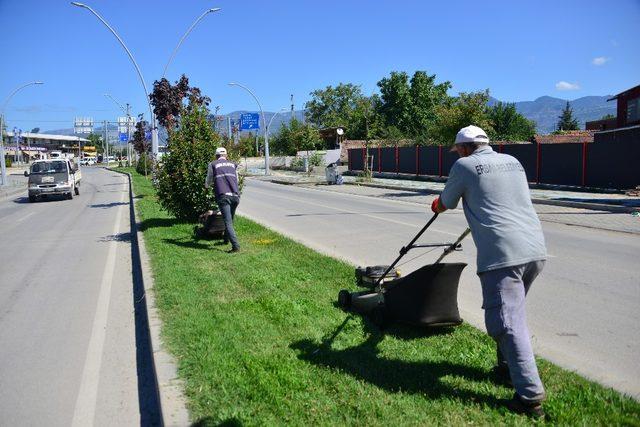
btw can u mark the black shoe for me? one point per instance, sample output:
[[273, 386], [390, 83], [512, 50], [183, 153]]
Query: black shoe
[[501, 375], [233, 250], [531, 409]]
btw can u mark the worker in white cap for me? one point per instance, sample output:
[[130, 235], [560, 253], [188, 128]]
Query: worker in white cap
[[223, 175], [511, 254]]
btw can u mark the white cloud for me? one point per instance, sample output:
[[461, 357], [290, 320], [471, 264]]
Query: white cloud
[[562, 85], [600, 60]]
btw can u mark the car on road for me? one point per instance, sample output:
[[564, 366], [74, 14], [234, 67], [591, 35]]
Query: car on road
[[53, 177], [87, 162]]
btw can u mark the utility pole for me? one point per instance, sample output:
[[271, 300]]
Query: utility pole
[[128, 135], [292, 109], [105, 152], [229, 127]]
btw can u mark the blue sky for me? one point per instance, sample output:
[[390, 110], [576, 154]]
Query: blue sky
[[519, 50]]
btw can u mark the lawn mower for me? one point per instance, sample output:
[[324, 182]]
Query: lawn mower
[[425, 297]]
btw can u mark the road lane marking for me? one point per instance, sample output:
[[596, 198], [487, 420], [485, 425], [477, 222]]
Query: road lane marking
[[363, 214], [85, 409], [23, 217]]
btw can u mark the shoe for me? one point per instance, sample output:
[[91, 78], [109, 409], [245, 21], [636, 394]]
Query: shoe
[[233, 250], [501, 375], [531, 409]]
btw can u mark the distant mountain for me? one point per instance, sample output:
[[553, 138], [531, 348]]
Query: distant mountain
[[545, 110]]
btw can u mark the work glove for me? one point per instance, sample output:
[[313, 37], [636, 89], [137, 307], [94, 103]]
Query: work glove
[[434, 205]]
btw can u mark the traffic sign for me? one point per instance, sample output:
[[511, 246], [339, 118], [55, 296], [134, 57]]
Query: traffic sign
[[249, 121], [123, 137]]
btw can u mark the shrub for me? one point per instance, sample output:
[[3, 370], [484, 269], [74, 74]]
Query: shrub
[[144, 166], [8, 162], [181, 175]]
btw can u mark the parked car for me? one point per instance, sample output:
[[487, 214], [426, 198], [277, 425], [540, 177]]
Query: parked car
[[87, 161], [53, 176]]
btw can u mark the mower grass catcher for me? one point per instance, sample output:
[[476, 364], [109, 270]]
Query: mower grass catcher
[[425, 297]]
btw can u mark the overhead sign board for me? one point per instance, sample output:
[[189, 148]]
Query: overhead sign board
[[83, 125], [249, 121], [125, 124]]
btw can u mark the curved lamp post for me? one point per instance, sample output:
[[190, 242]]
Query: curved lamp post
[[154, 126], [206, 12], [4, 105], [264, 124]]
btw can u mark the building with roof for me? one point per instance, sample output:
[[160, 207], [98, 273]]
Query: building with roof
[[37, 145], [627, 112]]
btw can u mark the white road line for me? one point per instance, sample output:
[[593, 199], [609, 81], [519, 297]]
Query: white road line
[[23, 217], [364, 214], [85, 409]]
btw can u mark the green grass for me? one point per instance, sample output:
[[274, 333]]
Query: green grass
[[259, 340]]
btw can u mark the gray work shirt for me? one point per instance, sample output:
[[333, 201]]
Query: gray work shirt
[[497, 204]]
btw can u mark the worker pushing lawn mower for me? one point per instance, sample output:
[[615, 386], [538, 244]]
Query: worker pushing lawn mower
[[511, 253]]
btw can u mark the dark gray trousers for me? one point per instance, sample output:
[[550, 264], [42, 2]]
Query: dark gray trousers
[[503, 293], [227, 206]]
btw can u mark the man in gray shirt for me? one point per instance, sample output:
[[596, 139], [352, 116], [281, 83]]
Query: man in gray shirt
[[511, 253]]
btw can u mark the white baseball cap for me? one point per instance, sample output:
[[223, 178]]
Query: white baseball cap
[[471, 134], [221, 151]]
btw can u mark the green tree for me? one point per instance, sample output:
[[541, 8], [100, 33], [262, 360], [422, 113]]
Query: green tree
[[293, 137], [340, 106], [566, 120], [95, 141], [607, 117], [509, 125], [464, 110], [410, 106], [396, 106], [182, 172]]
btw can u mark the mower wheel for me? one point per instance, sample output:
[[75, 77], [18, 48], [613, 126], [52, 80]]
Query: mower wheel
[[344, 299], [379, 316]]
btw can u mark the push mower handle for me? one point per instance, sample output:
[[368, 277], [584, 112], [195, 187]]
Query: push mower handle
[[405, 249]]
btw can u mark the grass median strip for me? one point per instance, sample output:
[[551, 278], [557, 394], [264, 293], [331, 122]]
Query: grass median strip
[[259, 340]]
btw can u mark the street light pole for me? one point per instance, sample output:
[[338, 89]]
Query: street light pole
[[3, 167], [266, 135], [206, 12], [154, 126]]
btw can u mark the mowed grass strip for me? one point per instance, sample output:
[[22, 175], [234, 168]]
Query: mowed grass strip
[[259, 340]]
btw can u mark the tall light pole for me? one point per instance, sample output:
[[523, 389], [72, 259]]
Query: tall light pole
[[154, 125], [206, 12], [4, 105], [264, 124]]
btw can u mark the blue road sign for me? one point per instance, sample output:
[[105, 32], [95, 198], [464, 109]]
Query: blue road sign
[[147, 135], [123, 137], [249, 121]]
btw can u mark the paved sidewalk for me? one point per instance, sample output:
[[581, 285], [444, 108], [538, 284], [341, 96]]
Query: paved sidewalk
[[16, 182], [423, 193]]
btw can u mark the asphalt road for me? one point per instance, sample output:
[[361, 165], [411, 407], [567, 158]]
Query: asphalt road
[[583, 309], [70, 352]]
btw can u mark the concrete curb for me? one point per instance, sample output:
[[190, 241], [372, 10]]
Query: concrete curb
[[565, 203], [171, 398]]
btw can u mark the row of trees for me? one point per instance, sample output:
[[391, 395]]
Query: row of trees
[[417, 108]]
